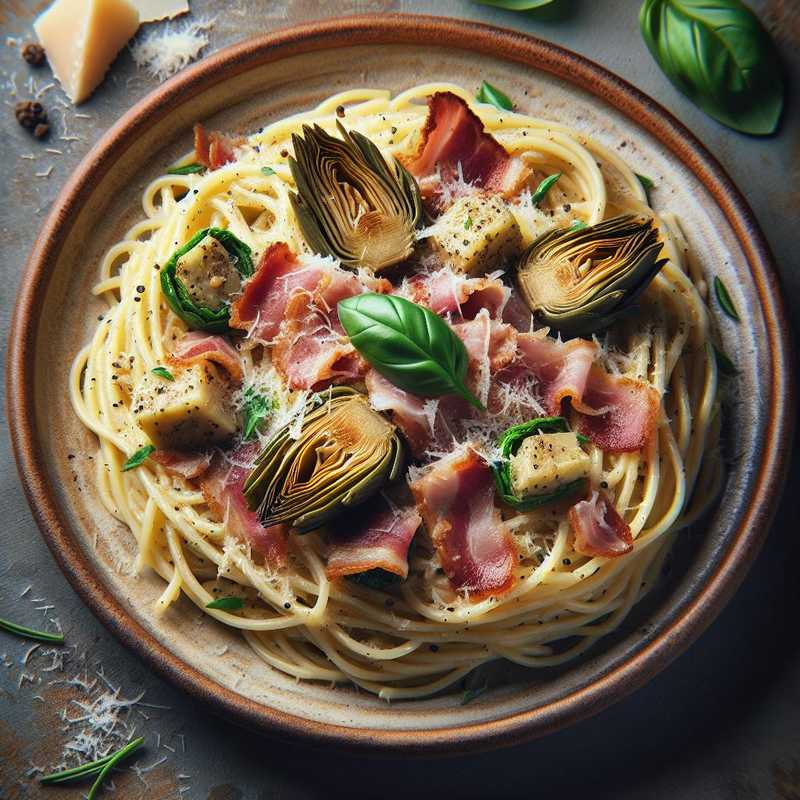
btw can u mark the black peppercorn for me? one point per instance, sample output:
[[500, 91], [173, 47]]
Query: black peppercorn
[[34, 54]]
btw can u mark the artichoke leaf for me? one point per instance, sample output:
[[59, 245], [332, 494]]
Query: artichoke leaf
[[345, 453], [580, 280], [350, 203]]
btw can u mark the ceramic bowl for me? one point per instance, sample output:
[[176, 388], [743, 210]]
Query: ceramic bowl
[[267, 78]]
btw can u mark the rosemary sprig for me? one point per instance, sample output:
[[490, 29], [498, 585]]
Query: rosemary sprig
[[30, 633], [186, 169], [101, 768]]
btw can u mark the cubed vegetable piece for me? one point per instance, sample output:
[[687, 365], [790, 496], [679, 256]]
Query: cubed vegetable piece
[[189, 413], [546, 461], [477, 234], [209, 274]]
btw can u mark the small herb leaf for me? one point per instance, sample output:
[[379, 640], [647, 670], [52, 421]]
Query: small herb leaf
[[138, 458], [491, 94], [724, 364], [577, 224], [268, 170], [724, 299], [186, 169], [470, 694], [30, 633], [256, 409], [468, 223], [647, 183], [719, 55], [163, 372], [226, 603], [409, 345], [543, 188], [101, 767]]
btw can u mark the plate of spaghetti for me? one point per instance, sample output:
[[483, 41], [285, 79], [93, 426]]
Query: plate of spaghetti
[[395, 414]]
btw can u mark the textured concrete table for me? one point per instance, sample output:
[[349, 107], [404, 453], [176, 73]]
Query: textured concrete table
[[722, 722]]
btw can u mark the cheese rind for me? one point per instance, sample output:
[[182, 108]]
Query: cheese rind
[[546, 461], [82, 38], [191, 412]]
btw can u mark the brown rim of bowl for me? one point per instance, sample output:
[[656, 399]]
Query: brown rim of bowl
[[407, 29]]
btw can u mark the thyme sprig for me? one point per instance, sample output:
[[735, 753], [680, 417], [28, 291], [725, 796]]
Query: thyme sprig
[[30, 633]]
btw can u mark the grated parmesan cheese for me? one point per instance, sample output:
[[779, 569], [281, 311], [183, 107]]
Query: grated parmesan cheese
[[165, 51]]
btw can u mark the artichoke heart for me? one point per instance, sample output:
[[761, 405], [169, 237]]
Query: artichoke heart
[[345, 453], [579, 280], [350, 203]]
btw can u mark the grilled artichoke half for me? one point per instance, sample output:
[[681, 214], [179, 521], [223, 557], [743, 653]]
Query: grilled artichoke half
[[345, 453], [580, 280], [351, 204]]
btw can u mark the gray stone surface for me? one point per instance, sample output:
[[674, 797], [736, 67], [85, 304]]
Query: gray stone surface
[[721, 723]]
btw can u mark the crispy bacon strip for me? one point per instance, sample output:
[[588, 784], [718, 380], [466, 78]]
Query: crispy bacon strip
[[599, 530], [312, 349], [198, 346], [222, 488], [213, 149], [376, 538], [618, 414], [456, 500], [185, 465], [453, 137]]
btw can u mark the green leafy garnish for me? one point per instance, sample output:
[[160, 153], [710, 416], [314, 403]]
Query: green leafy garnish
[[30, 633], [724, 299], [196, 316], [138, 458], [492, 95], [470, 694], [268, 170], [577, 224], [719, 55], [724, 364], [509, 443], [543, 188], [186, 169], [101, 768], [256, 409], [163, 372], [647, 184], [226, 603], [409, 345], [468, 223]]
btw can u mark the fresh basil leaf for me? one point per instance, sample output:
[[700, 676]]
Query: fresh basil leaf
[[724, 364], [226, 603], [163, 372], [138, 458], [468, 223], [268, 170], [719, 55], [543, 188], [516, 5], [724, 299], [470, 694], [186, 169], [256, 409], [492, 95], [409, 345]]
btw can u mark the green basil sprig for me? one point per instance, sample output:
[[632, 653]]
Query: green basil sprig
[[196, 316], [138, 458], [724, 299], [718, 54], [543, 188], [226, 603], [492, 95], [509, 443], [409, 345]]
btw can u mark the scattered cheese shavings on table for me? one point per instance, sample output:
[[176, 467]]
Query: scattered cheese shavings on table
[[167, 50]]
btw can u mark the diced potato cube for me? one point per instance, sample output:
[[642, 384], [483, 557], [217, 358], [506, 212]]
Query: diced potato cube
[[208, 273], [192, 412], [477, 234], [546, 461]]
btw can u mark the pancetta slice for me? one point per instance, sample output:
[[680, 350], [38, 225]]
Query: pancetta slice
[[185, 465], [222, 488], [455, 497], [312, 350], [376, 538], [599, 530], [198, 346], [213, 149], [454, 143], [457, 296]]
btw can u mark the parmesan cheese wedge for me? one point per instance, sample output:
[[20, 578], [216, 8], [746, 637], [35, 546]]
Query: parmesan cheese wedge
[[82, 37], [154, 10]]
